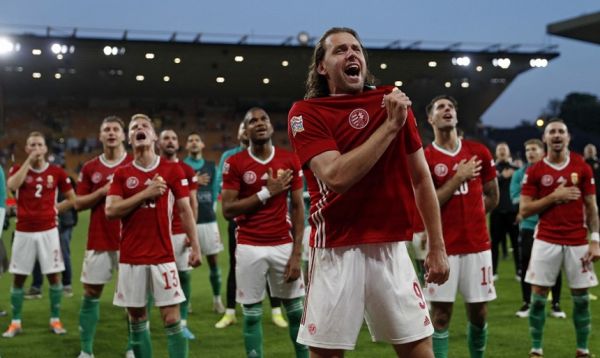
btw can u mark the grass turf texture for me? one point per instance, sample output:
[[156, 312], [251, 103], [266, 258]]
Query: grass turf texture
[[508, 335]]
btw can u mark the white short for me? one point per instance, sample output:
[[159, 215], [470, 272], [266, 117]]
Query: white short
[[376, 282], [471, 274], [547, 259], [255, 265], [182, 252], [419, 244], [98, 266], [136, 282], [210, 239], [305, 243], [43, 246]]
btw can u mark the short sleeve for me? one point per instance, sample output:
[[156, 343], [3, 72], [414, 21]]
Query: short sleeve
[[588, 182], [488, 168], [297, 178], [64, 183], [179, 184], [529, 187], [84, 181], [412, 139], [231, 178], [309, 135], [13, 170], [116, 184], [191, 176]]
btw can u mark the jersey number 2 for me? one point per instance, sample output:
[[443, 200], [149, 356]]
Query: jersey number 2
[[38, 190]]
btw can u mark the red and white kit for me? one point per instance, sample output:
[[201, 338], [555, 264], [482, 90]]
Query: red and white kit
[[146, 252], [356, 235], [102, 248]]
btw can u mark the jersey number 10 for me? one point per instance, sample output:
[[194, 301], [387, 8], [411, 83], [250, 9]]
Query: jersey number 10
[[463, 189]]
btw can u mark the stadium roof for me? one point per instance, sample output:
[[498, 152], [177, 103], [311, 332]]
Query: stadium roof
[[583, 28], [89, 63]]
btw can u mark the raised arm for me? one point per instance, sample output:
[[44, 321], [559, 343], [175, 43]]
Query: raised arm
[[436, 263], [15, 181], [341, 171]]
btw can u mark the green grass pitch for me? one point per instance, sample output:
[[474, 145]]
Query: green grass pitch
[[508, 336]]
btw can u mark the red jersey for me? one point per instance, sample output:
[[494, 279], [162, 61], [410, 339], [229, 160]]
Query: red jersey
[[463, 216], [176, 226], [562, 224], [36, 197], [246, 174], [380, 207], [146, 231], [103, 234]]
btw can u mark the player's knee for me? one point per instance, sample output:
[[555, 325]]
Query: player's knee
[[170, 314], [93, 291]]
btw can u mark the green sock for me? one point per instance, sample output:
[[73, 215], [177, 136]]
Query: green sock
[[582, 319], [149, 305], [253, 330], [215, 280], [477, 340], [537, 318], [294, 309], [440, 343], [17, 295], [176, 343], [56, 293], [140, 339], [186, 286], [88, 319]]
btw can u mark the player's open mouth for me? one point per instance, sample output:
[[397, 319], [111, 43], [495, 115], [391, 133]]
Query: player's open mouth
[[140, 136], [352, 70], [447, 116]]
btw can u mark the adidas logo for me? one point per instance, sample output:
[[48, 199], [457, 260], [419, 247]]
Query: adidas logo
[[426, 322]]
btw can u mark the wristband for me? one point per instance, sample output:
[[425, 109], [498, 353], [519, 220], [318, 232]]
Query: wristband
[[595, 237], [263, 194]]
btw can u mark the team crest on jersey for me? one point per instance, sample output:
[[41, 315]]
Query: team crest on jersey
[[441, 170], [226, 168], [297, 125], [312, 329], [249, 177], [96, 178], [547, 180], [132, 182], [574, 178], [358, 118], [29, 179], [49, 181]]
